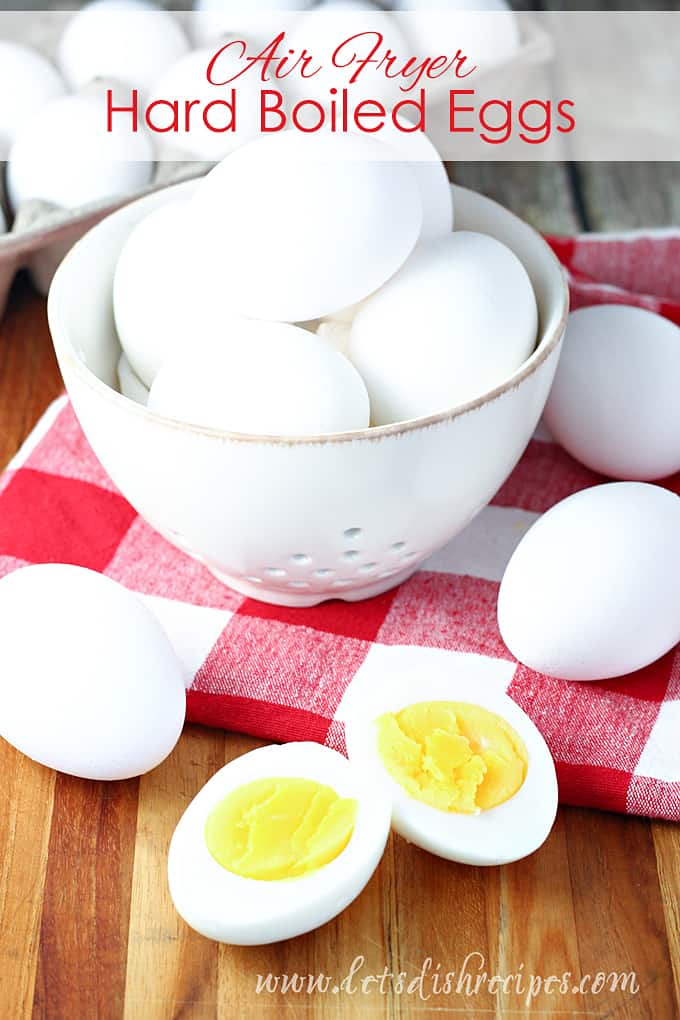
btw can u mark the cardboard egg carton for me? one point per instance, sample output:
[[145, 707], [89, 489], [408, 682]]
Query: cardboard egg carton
[[41, 234]]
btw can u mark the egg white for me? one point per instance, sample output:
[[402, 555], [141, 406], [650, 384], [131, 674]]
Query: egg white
[[242, 911], [502, 834]]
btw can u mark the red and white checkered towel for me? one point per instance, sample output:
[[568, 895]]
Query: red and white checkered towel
[[283, 673]]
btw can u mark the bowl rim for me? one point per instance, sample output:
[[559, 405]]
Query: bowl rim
[[545, 347]]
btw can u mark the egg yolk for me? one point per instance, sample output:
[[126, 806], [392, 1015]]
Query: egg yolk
[[452, 755], [279, 828]]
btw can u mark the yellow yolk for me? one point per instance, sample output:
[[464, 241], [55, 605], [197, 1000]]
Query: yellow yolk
[[279, 828], [452, 756]]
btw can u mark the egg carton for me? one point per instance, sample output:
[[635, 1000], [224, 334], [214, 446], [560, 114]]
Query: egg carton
[[41, 233]]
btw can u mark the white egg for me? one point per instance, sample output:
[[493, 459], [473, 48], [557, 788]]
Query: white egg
[[331, 224], [321, 32], [614, 402], [458, 319], [433, 182], [593, 589], [130, 41], [65, 155], [257, 20], [131, 386], [486, 31], [91, 684], [262, 378], [186, 81], [27, 82], [158, 300], [505, 832], [224, 905]]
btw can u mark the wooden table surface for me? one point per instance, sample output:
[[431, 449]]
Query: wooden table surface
[[87, 930]]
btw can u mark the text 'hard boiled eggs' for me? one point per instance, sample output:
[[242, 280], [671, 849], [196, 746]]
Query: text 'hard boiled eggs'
[[100, 693], [278, 842], [469, 776], [593, 589]]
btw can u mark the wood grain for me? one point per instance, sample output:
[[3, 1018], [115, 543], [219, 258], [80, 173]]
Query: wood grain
[[541, 193], [29, 380], [25, 819], [88, 931], [171, 971], [81, 970]]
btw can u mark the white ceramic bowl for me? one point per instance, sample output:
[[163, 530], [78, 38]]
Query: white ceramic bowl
[[297, 521]]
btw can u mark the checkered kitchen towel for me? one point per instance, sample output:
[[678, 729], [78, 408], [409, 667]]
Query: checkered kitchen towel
[[283, 673]]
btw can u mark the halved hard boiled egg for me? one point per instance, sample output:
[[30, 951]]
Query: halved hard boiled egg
[[469, 776], [278, 842]]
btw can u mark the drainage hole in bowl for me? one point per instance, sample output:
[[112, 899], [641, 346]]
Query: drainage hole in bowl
[[351, 554], [342, 583], [367, 568], [410, 557], [252, 579], [351, 533], [324, 572], [300, 559], [397, 546], [297, 584], [274, 572]]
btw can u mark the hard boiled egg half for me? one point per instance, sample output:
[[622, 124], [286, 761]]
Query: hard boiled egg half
[[469, 776], [278, 842]]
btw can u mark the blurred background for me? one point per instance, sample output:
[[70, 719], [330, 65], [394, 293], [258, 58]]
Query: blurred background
[[554, 197]]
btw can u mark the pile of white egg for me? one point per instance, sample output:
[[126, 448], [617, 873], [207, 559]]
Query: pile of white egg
[[51, 113], [284, 297]]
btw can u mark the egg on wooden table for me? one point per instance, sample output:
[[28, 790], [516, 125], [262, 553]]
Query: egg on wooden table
[[130, 41], [276, 844], [614, 401], [186, 81], [257, 20], [456, 320], [262, 378], [65, 155], [27, 82], [91, 685], [173, 306], [330, 224], [593, 589], [469, 776]]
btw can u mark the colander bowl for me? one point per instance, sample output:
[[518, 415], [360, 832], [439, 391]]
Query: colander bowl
[[295, 521]]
